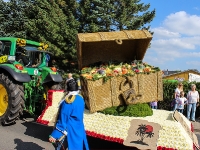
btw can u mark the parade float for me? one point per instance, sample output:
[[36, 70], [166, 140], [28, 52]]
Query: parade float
[[113, 75]]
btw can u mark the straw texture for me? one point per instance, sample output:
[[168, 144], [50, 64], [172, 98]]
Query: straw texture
[[121, 46], [104, 46], [100, 95]]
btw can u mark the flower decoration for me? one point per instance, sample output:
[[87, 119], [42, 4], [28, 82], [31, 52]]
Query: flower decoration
[[172, 135], [21, 42], [43, 46], [108, 70], [52, 107]]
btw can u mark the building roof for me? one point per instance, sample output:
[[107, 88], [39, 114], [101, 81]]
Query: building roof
[[169, 73]]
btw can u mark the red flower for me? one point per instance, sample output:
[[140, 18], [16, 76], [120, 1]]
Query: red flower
[[136, 70], [115, 139], [192, 128], [159, 148]]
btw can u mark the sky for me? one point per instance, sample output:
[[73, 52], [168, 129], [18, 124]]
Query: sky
[[176, 40]]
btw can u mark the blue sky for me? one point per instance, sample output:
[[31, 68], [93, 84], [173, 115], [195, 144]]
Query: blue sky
[[176, 40]]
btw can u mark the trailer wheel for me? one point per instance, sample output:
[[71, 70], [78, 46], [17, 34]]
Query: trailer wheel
[[11, 100]]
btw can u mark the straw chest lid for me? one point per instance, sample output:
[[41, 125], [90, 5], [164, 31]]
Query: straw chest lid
[[122, 46]]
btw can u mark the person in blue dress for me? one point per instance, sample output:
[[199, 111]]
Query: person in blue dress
[[69, 129]]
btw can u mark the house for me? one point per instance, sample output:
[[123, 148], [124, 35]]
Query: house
[[187, 75], [167, 72]]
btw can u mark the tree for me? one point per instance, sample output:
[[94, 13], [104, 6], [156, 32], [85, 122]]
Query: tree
[[69, 8], [13, 18], [96, 15], [2, 17], [49, 23], [132, 15], [109, 15]]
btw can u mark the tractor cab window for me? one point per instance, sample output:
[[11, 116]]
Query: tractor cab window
[[21, 56], [5, 47], [32, 56], [36, 58]]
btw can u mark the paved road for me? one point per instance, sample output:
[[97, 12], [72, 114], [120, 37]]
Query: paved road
[[196, 126], [25, 136], [31, 136]]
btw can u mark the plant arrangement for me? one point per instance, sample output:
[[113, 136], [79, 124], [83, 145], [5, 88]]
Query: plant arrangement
[[34, 93], [108, 70], [136, 110]]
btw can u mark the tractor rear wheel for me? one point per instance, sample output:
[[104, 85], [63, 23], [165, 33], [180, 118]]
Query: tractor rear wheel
[[11, 100]]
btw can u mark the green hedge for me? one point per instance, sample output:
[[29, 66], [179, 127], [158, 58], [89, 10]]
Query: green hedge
[[136, 110], [169, 87]]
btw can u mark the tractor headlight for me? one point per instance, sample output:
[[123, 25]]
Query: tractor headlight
[[11, 58]]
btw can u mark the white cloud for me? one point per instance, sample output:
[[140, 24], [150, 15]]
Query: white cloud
[[161, 32], [172, 44], [176, 42], [183, 23], [158, 60], [193, 63]]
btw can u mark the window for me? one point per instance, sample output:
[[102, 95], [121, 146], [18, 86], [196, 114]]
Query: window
[[5, 47]]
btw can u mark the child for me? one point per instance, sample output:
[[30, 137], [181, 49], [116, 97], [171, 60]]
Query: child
[[153, 104], [176, 95], [181, 102]]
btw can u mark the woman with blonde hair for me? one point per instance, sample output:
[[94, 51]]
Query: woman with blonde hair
[[177, 92], [193, 102]]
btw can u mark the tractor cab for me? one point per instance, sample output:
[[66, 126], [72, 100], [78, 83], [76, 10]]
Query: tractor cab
[[31, 57]]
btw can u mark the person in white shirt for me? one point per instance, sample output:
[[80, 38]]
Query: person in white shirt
[[193, 102], [181, 100]]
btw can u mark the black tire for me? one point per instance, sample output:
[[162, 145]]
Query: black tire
[[54, 86], [14, 98]]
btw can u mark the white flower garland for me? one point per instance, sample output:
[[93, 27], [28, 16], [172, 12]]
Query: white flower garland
[[52, 110], [172, 134]]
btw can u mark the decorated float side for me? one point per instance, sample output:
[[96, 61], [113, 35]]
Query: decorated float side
[[114, 76]]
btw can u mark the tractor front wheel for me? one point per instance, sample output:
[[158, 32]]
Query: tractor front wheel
[[11, 100]]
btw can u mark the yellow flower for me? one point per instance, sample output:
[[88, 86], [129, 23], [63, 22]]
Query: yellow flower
[[45, 46], [39, 48], [21, 42], [41, 44]]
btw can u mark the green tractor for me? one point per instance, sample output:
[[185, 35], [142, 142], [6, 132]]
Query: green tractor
[[25, 77]]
